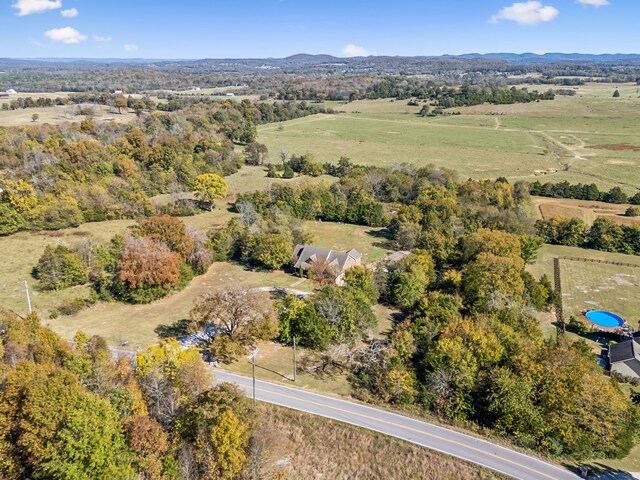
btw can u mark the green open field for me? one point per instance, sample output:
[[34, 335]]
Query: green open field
[[547, 140], [597, 286]]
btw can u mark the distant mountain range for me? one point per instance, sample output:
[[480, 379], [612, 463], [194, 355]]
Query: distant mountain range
[[533, 58], [319, 59]]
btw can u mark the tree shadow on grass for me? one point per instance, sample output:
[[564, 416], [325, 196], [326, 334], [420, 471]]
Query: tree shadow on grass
[[385, 237], [174, 330]]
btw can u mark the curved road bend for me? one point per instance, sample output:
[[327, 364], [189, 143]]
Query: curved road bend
[[460, 445]]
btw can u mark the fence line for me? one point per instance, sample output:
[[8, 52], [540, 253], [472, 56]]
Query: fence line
[[595, 260], [558, 288]]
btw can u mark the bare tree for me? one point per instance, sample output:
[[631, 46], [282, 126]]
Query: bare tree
[[241, 313]]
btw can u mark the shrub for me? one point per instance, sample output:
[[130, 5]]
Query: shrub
[[60, 267], [632, 212]]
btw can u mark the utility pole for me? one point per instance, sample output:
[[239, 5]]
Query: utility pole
[[295, 367], [26, 289], [253, 372]]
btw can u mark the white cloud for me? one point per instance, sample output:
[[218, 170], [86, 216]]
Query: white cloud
[[129, 48], [594, 3], [101, 39], [69, 12], [526, 13], [27, 7], [66, 35], [352, 50]]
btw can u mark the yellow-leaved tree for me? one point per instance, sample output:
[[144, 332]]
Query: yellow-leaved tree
[[209, 187]]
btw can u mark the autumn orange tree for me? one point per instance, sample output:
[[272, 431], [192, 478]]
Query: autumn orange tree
[[169, 230], [147, 270]]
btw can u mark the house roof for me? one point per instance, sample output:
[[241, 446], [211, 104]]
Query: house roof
[[307, 255], [623, 351]]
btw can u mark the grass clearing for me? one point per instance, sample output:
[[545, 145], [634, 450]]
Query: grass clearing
[[302, 446], [136, 324], [254, 178], [21, 251], [600, 286], [59, 114]]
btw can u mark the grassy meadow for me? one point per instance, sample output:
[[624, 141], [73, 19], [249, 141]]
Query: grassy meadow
[[136, 324], [59, 114], [299, 445], [547, 140]]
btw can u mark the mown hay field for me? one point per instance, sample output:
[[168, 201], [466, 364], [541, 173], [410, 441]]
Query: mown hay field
[[587, 210]]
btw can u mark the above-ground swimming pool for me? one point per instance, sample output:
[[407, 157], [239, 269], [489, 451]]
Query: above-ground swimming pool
[[604, 319]]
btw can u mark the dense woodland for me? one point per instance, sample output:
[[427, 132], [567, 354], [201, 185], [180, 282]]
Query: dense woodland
[[74, 412], [55, 177]]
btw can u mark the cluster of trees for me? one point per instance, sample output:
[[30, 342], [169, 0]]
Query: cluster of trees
[[160, 256], [603, 234], [469, 349], [263, 240], [582, 192], [446, 97], [339, 202], [75, 412], [333, 315]]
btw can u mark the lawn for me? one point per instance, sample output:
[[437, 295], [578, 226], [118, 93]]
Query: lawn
[[547, 140], [588, 286], [600, 286], [136, 324], [251, 179]]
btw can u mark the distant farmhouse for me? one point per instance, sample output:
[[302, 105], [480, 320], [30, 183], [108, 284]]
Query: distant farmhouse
[[624, 357], [306, 256]]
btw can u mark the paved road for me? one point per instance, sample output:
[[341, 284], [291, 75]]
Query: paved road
[[471, 449]]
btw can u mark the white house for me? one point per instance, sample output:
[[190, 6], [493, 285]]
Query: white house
[[11, 91]]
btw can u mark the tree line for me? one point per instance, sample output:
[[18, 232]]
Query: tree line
[[603, 234], [581, 191]]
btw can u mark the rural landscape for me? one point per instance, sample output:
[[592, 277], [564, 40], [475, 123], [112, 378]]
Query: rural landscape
[[309, 266]]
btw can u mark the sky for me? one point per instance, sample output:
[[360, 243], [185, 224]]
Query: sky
[[169, 29]]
